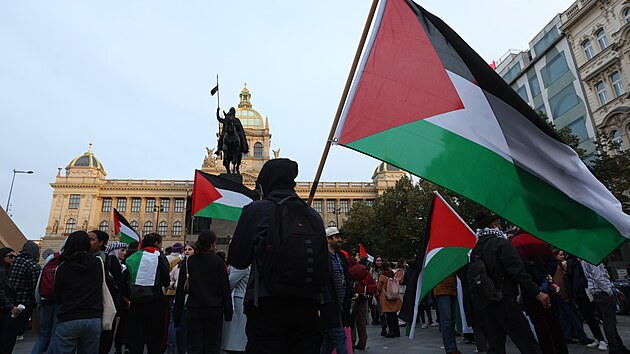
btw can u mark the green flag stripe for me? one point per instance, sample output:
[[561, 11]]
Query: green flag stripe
[[457, 164], [220, 211], [126, 238], [444, 263]]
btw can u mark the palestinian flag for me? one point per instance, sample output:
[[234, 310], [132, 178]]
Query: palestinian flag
[[363, 253], [448, 240], [142, 266], [424, 101], [219, 198], [123, 230]]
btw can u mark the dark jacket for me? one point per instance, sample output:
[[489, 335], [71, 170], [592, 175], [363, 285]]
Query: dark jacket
[[78, 287], [162, 279], [505, 267], [331, 309], [208, 286], [23, 274], [537, 257], [6, 291]]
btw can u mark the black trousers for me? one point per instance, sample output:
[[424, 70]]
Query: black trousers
[[204, 330], [283, 326], [145, 325], [505, 318], [587, 310], [392, 323], [547, 325], [607, 305]]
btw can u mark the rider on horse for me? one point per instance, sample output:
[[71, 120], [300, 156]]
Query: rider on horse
[[231, 114]]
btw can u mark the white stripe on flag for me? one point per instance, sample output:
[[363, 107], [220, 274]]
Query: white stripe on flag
[[233, 199], [147, 269], [129, 232]]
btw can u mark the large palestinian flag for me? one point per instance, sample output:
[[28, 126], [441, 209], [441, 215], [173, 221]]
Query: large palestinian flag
[[219, 198], [123, 230], [424, 101]]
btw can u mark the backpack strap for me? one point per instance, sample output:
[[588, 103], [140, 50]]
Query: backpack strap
[[481, 249]]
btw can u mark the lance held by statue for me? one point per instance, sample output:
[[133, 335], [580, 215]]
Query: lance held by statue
[[232, 141]]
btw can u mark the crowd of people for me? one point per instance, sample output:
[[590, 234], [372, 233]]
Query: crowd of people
[[303, 295]]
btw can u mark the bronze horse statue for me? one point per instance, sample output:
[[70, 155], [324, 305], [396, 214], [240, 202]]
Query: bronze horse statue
[[232, 141]]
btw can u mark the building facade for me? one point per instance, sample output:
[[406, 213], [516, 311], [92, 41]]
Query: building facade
[[546, 76], [84, 198], [599, 33]]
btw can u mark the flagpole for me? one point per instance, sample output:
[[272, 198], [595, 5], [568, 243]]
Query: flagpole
[[218, 105], [344, 96]]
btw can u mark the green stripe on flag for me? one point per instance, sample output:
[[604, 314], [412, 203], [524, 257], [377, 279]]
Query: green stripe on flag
[[126, 238], [221, 211], [444, 263], [478, 173]]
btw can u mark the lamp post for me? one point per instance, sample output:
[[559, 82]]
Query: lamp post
[[158, 209], [11, 189], [337, 212]]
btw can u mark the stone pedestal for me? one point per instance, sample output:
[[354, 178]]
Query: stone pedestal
[[232, 177]]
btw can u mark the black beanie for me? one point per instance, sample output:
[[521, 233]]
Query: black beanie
[[483, 219], [277, 174]]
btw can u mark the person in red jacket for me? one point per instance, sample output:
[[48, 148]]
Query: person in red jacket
[[364, 287]]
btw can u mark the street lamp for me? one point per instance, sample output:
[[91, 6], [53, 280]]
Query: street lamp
[[11, 189], [158, 209]]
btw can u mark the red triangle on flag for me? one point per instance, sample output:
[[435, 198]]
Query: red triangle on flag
[[447, 229], [204, 193], [403, 80]]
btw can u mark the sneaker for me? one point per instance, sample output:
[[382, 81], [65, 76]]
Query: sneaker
[[434, 324], [424, 326], [20, 337], [593, 345], [603, 346]]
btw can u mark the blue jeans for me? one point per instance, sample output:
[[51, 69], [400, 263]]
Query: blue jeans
[[335, 338], [78, 336], [47, 323], [447, 309]]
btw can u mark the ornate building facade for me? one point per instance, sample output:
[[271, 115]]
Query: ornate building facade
[[84, 199], [599, 32]]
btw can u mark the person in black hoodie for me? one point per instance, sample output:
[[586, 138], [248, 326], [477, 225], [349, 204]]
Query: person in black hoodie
[[78, 290], [209, 299], [278, 325]]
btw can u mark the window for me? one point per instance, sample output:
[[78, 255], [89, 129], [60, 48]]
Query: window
[[332, 224], [542, 111], [107, 204], [258, 151], [71, 224], [343, 205], [511, 74], [177, 228], [369, 202], [104, 226], [355, 202], [534, 85], [578, 128], [317, 205], [617, 84], [522, 91], [148, 227], [74, 202], [135, 205], [121, 204], [555, 68], [149, 207], [601, 38], [563, 101], [588, 49], [600, 87], [616, 138], [179, 205], [546, 40], [162, 228], [626, 14], [330, 206], [134, 225], [165, 203]]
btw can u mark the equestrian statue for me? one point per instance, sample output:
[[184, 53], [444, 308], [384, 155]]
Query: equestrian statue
[[232, 141]]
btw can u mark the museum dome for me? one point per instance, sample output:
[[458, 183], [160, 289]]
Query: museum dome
[[87, 160], [248, 116], [384, 167]]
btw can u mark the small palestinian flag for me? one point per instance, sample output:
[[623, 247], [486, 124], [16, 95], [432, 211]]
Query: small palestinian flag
[[219, 198], [123, 230], [363, 253], [142, 267]]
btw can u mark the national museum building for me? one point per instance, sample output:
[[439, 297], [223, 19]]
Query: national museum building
[[84, 198]]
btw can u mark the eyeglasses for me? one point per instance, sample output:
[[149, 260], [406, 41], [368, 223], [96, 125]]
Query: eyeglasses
[[10, 256]]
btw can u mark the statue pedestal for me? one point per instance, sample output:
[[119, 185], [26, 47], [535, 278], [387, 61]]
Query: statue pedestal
[[232, 177]]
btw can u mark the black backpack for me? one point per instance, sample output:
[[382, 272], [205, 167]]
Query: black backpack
[[292, 254], [482, 288]]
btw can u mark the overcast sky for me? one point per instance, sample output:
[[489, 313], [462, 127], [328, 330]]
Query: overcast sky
[[134, 77]]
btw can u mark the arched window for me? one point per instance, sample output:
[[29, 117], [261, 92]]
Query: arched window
[[600, 87], [103, 226], [177, 228], [617, 84], [588, 49], [616, 138], [626, 14], [332, 224], [162, 228], [71, 224], [148, 227], [258, 150], [134, 225], [601, 38]]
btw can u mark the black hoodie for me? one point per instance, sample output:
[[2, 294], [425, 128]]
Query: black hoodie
[[78, 286]]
